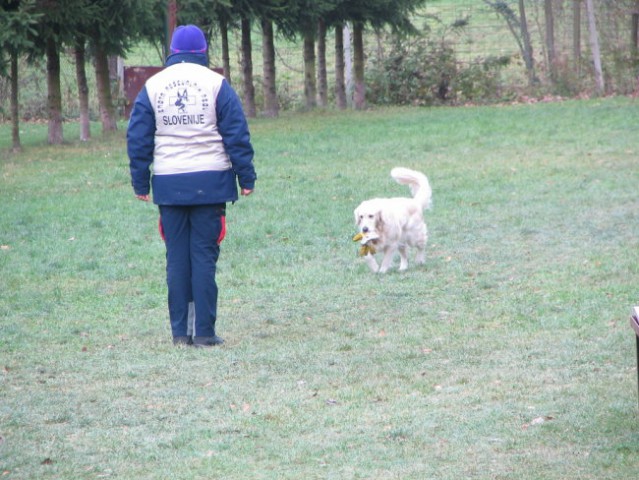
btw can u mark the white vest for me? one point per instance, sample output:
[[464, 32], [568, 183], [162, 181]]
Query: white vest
[[183, 98]]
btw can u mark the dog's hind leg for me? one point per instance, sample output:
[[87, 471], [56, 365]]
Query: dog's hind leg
[[421, 250]]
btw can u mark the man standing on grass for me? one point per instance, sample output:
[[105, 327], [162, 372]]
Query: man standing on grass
[[188, 122]]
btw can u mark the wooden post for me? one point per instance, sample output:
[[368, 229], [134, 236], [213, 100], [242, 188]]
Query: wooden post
[[634, 43], [170, 23], [172, 16], [634, 323]]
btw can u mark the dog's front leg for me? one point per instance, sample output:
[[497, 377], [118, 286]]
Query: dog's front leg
[[389, 252], [403, 258], [371, 262]]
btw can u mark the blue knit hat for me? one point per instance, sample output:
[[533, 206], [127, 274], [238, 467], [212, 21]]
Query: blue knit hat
[[188, 39]]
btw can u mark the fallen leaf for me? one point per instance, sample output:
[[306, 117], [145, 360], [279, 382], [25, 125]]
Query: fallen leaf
[[540, 420], [4, 247], [537, 421]]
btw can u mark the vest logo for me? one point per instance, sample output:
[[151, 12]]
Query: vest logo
[[182, 102]]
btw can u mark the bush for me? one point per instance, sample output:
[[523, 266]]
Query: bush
[[415, 73], [479, 81], [425, 72]]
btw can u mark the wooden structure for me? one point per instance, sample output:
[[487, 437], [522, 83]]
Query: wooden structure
[[634, 323]]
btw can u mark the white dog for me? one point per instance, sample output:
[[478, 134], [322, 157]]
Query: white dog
[[394, 224]]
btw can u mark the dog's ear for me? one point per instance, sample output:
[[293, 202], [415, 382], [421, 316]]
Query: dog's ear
[[356, 215], [379, 221]]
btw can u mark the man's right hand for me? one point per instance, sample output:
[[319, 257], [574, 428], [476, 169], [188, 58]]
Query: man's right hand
[[144, 198]]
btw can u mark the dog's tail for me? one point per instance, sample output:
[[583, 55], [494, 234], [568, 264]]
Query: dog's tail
[[418, 183]]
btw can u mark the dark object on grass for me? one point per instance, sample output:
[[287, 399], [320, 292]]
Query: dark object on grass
[[634, 323]]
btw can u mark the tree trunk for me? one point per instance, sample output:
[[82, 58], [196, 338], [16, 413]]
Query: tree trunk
[[310, 86], [594, 47], [226, 57], [634, 29], [348, 62], [54, 93], [103, 84], [322, 82], [550, 39], [340, 83], [83, 91], [576, 35], [359, 95], [247, 69], [15, 110], [271, 106], [528, 51]]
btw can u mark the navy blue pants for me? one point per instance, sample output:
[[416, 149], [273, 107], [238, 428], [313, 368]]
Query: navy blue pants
[[192, 235]]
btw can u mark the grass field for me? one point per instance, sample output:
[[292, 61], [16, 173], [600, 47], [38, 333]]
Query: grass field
[[508, 355]]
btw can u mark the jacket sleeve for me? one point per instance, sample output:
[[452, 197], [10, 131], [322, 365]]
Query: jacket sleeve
[[140, 137], [233, 127]]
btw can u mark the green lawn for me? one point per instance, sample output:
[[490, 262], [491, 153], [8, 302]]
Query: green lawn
[[507, 356]]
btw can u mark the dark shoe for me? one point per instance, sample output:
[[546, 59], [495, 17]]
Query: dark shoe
[[204, 342], [182, 341]]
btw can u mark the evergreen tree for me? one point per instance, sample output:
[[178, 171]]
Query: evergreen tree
[[112, 28], [17, 21]]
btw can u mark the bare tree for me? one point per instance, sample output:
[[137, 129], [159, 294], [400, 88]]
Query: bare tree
[[322, 80], [83, 90], [226, 58], [518, 26], [634, 39], [54, 92], [528, 51], [340, 81], [576, 34], [103, 86], [359, 95], [550, 39], [16, 146], [310, 85], [271, 106], [594, 47], [247, 69]]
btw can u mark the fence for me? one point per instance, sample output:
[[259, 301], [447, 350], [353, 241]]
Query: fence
[[471, 27]]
